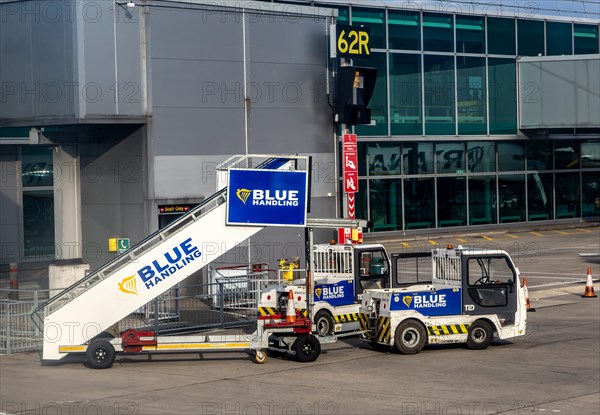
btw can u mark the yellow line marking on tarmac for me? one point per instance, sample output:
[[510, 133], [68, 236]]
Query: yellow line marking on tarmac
[[406, 244], [536, 233], [461, 240], [511, 236], [584, 230], [432, 242], [562, 233], [487, 237]]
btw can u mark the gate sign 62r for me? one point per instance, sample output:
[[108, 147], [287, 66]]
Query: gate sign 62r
[[352, 41]]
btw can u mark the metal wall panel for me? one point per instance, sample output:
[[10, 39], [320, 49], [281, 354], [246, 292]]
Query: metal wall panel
[[559, 92]]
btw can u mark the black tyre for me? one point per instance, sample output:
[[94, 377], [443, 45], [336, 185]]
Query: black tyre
[[410, 337], [100, 354], [324, 325], [307, 348], [480, 335]]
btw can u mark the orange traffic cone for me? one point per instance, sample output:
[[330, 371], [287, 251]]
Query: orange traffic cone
[[290, 311], [527, 302], [589, 286]]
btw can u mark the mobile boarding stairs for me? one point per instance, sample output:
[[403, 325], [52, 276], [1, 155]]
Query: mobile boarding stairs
[[71, 320]]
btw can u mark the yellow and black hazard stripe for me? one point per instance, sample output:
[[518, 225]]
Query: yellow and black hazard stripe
[[383, 330], [448, 329], [271, 311], [363, 320], [345, 318], [267, 311]]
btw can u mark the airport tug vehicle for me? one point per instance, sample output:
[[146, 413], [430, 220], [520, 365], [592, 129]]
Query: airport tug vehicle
[[471, 295]]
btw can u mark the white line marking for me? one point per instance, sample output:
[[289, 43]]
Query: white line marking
[[551, 284], [564, 278]]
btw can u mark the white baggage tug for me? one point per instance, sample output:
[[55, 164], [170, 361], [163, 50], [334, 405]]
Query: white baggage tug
[[473, 294]]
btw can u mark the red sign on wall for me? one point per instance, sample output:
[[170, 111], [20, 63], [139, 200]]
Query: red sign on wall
[[350, 160]]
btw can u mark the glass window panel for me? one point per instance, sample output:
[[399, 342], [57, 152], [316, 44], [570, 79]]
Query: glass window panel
[[419, 203], [438, 32], [450, 158], [343, 14], [539, 155], [559, 38], [503, 96], [378, 103], [539, 196], [481, 156], [373, 19], [566, 155], [361, 200], [38, 222], [590, 154], [531, 37], [362, 159], [384, 159], [501, 36], [482, 200], [585, 39], [591, 194], [470, 34], [471, 95], [404, 30], [511, 156], [417, 158], [36, 166], [405, 96], [452, 201], [511, 190], [439, 95], [567, 195], [385, 197]]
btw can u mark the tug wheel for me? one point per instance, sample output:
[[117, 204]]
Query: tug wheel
[[410, 337], [324, 323], [307, 348], [480, 335], [100, 354], [260, 357]]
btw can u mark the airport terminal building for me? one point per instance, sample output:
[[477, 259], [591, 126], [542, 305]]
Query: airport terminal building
[[114, 115]]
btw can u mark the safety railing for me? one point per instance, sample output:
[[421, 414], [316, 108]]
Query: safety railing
[[18, 333]]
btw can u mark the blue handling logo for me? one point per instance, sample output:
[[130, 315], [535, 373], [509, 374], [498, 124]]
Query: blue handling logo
[[267, 197]]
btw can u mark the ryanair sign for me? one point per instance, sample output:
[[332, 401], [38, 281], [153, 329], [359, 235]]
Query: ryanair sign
[[267, 197]]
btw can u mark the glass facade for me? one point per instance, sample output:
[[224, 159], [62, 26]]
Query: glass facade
[[445, 149], [413, 185]]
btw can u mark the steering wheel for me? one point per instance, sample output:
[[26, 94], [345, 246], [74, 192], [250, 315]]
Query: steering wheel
[[483, 280]]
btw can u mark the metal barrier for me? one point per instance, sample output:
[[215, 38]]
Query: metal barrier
[[18, 333]]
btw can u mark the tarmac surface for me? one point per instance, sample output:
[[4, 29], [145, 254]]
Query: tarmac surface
[[553, 369]]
